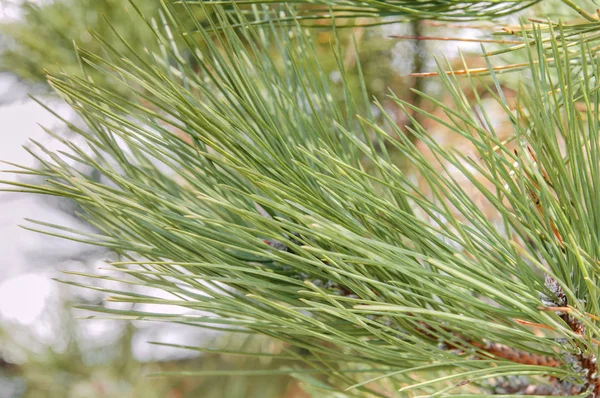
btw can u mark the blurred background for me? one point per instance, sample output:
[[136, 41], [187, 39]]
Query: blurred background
[[46, 349]]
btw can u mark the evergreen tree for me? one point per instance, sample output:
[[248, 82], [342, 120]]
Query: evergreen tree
[[233, 181]]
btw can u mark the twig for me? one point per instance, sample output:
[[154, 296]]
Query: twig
[[472, 71], [421, 38], [580, 11], [498, 350]]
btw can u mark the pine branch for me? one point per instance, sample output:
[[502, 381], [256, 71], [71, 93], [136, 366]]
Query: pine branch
[[239, 188], [492, 349]]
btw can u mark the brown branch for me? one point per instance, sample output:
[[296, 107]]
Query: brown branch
[[496, 350], [518, 356], [471, 71], [436, 38]]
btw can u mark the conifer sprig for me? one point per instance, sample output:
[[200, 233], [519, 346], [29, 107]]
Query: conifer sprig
[[239, 186]]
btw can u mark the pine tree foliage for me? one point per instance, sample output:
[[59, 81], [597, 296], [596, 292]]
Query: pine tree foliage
[[395, 10], [43, 38], [239, 187]]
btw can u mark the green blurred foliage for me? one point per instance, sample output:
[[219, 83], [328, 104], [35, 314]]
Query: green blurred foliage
[[110, 371], [43, 39]]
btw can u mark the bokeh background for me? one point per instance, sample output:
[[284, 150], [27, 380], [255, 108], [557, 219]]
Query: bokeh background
[[46, 348]]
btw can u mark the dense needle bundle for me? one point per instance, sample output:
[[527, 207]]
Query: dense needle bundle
[[232, 180]]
